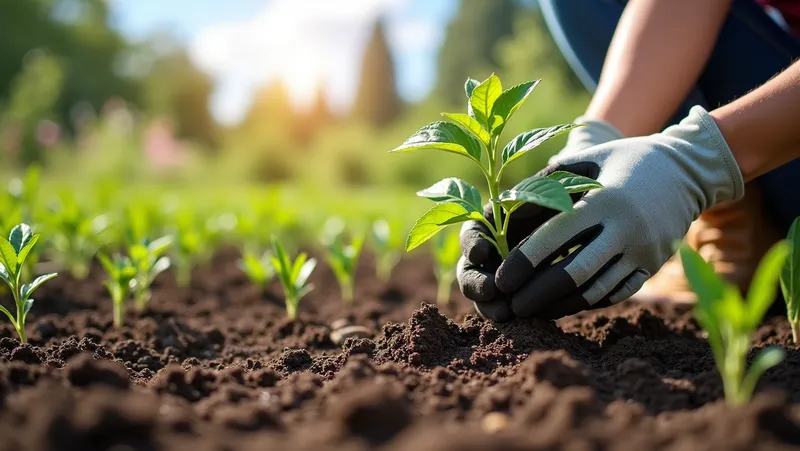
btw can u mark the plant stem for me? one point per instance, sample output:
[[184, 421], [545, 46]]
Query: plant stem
[[795, 330], [118, 314], [444, 288], [20, 324], [291, 307], [499, 231], [346, 287]]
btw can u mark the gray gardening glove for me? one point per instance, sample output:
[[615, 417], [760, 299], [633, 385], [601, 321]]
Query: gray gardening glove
[[480, 260], [654, 187]]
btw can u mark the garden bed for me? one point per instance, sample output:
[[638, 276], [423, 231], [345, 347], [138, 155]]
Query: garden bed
[[218, 367]]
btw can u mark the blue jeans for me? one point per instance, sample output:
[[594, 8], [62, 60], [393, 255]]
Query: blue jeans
[[751, 49]]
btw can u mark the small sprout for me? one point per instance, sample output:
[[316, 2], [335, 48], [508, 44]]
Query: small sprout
[[790, 279], [293, 276], [13, 253], [149, 260], [446, 252], [342, 257], [76, 235], [387, 243], [475, 136], [121, 273], [258, 268], [191, 246], [730, 321]]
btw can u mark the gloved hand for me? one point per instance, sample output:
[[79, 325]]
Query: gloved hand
[[654, 187], [480, 259]]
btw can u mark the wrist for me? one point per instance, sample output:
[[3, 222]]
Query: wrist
[[730, 126]]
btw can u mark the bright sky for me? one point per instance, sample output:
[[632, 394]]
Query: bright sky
[[245, 43]]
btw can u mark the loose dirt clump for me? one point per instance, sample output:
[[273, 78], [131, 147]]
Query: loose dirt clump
[[218, 367]]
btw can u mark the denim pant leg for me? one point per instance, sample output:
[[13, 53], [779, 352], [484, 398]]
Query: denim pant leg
[[750, 49]]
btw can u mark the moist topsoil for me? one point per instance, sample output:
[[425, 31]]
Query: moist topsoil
[[219, 367]]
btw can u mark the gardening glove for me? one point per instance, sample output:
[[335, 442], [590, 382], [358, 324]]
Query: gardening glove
[[480, 259], [654, 187]]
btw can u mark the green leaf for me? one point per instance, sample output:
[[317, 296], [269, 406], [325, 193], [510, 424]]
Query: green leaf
[[509, 102], [456, 190], [9, 315], [23, 253], [305, 273], [575, 183], [27, 289], [537, 190], [9, 256], [444, 136], [19, 236], [469, 125], [159, 245], [764, 360], [470, 86], [707, 285], [297, 266], [432, 222], [161, 265], [483, 98], [764, 285], [472, 215], [790, 275], [5, 275], [109, 267], [527, 141]]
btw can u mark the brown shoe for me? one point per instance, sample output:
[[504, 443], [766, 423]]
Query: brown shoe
[[733, 236]]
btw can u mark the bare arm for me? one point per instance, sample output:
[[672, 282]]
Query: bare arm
[[762, 127], [656, 56]]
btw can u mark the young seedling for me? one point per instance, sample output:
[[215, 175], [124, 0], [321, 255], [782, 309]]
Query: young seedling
[[149, 260], [446, 252], [790, 279], [293, 276], [13, 252], [730, 321], [76, 235], [191, 246], [387, 243], [342, 256], [475, 135], [121, 273], [257, 268]]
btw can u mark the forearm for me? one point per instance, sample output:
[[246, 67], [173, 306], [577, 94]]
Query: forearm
[[762, 127], [656, 56]]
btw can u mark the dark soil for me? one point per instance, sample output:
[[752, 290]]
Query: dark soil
[[218, 367]]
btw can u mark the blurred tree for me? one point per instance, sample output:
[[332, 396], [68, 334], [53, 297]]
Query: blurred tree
[[76, 31], [468, 48], [34, 94], [377, 101], [175, 88]]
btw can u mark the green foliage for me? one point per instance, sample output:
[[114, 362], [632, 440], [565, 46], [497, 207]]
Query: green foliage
[[13, 253], [730, 321], [489, 110], [121, 273], [258, 268], [446, 252], [192, 241], [149, 260], [293, 276], [76, 234], [342, 255], [387, 244], [790, 279]]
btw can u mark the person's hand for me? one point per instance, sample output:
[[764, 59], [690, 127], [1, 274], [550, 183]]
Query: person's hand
[[480, 259], [654, 187]]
